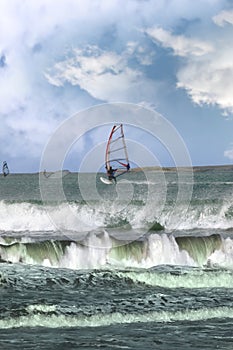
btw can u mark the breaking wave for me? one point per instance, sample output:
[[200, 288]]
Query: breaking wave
[[103, 251], [81, 217]]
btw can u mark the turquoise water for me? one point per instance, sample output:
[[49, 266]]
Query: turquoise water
[[143, 264]]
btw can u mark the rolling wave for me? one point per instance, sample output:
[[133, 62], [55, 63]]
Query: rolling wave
[[104, 251], [47, 318], [83, 217]]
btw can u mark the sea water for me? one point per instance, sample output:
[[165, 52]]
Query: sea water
[[143, 264]]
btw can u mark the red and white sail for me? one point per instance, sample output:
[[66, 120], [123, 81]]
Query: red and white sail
[[116, 151]]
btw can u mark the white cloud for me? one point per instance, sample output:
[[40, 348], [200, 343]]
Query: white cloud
[[223, 17], [229, 153], [207, 70], [208, 79], [105, 75], [207, 82], [181, 45]]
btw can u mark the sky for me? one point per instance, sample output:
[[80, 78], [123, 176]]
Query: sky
[[62, 57]]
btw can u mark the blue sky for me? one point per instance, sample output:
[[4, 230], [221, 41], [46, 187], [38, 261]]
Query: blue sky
[[61, 57]]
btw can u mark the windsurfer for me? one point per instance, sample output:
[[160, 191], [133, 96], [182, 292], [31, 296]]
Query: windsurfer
[[5, 168], [110, 173]]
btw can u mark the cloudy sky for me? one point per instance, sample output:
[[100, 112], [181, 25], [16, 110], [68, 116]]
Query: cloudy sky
[[59, 57]]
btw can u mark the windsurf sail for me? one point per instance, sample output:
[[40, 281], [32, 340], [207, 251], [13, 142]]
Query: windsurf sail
[[116, 157], [55, 174], [5, 168]]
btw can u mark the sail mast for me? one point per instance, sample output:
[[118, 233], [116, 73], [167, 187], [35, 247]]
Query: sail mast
[[123, 139]]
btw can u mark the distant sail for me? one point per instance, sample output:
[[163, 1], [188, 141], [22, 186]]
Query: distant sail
[[46, 174], [5, 168], [116, 157], [55, 174]]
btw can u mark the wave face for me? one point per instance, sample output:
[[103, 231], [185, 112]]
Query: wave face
[[102, 250], [138, 222]]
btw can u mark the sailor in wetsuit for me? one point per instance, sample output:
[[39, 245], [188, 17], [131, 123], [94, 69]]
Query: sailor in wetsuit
[[110, 173]]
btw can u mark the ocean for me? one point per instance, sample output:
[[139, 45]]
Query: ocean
[[143, 264]]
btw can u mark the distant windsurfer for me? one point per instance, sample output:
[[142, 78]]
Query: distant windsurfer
[[46, 174], [5, 169]]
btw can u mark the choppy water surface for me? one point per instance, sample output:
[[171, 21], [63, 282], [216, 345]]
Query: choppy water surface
[[117, 267]]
